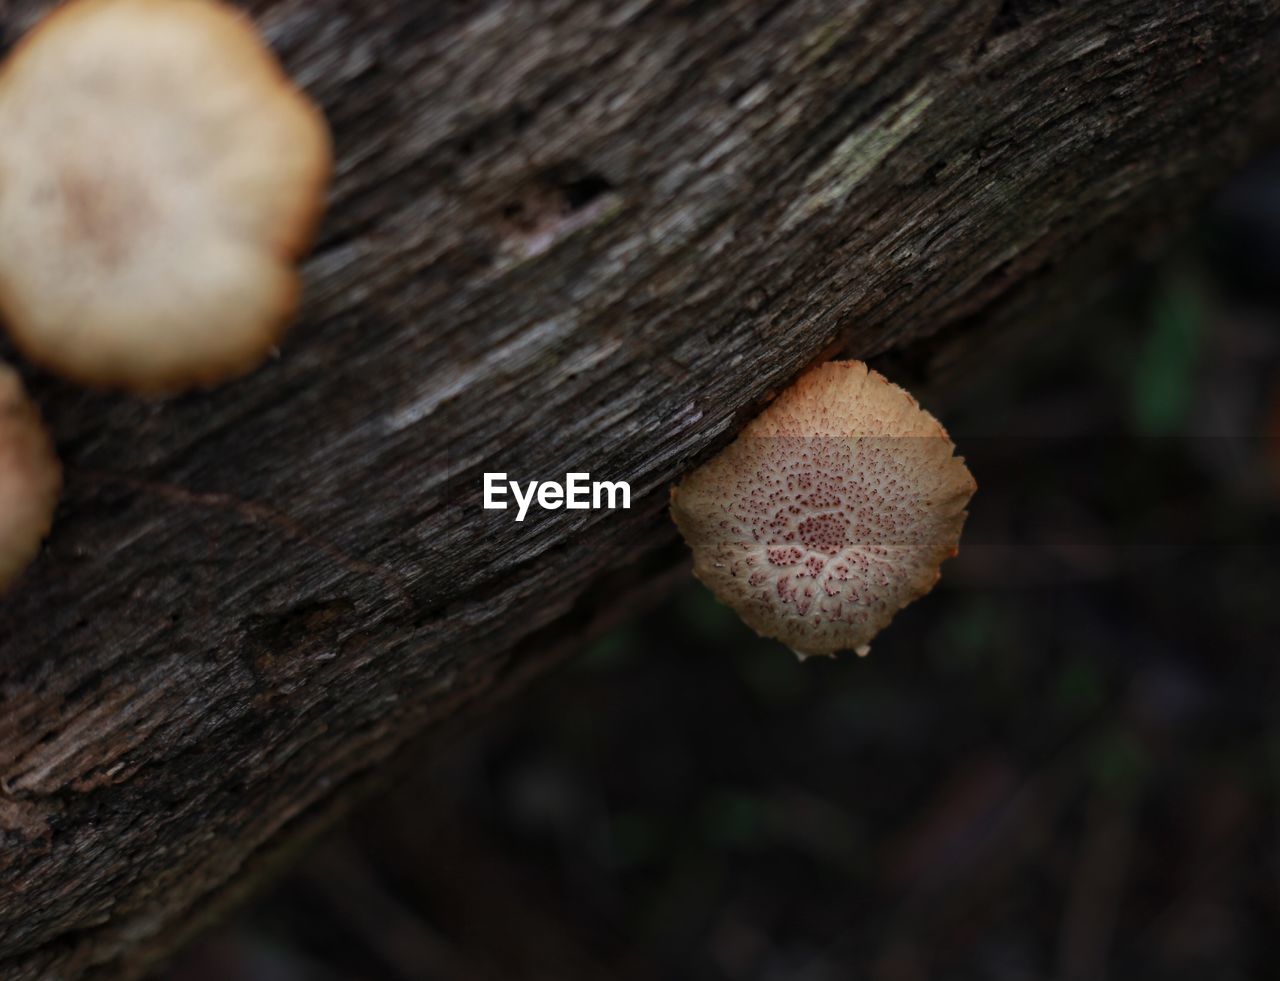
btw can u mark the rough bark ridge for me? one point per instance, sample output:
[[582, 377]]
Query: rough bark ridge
[[564, 236]]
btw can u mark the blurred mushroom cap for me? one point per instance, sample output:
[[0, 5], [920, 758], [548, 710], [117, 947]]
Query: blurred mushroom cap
[[30, 479], [830, 512], [159, 178]]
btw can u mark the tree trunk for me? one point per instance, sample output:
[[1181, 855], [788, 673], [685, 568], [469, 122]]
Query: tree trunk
[[564, 236]]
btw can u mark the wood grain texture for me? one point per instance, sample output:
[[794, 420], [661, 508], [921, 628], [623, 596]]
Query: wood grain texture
[[564, 236]]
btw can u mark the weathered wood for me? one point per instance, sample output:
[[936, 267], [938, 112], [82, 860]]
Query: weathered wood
[[564, 236]]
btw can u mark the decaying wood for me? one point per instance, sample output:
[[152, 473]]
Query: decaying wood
[[564, 236]]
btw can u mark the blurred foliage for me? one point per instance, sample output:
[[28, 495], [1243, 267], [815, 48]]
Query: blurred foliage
[[1164, 374]]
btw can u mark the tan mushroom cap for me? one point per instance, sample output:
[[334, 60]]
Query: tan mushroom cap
[[159, 178], [30, 479], [830, 512]]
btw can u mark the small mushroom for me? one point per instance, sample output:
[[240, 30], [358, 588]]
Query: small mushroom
[[831, 511], [30, 479], [159, 178]]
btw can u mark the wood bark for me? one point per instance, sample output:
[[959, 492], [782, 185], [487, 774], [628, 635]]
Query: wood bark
[[588, 236]]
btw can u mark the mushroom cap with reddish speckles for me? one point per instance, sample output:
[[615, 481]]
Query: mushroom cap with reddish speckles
[[830, 512], [159, 178], [30, 479]]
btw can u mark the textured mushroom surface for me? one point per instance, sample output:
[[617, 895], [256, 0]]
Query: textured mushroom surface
[[30, 479], [830, 512], [159, 178]]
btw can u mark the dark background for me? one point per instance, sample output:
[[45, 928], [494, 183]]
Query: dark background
[[1064, 763]]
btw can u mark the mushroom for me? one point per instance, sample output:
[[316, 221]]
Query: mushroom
[[30, 479], [159, 178], [830, 512]]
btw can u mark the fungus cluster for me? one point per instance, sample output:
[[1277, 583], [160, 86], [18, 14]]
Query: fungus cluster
[[30, 478], [160, 176], [830, 512]]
